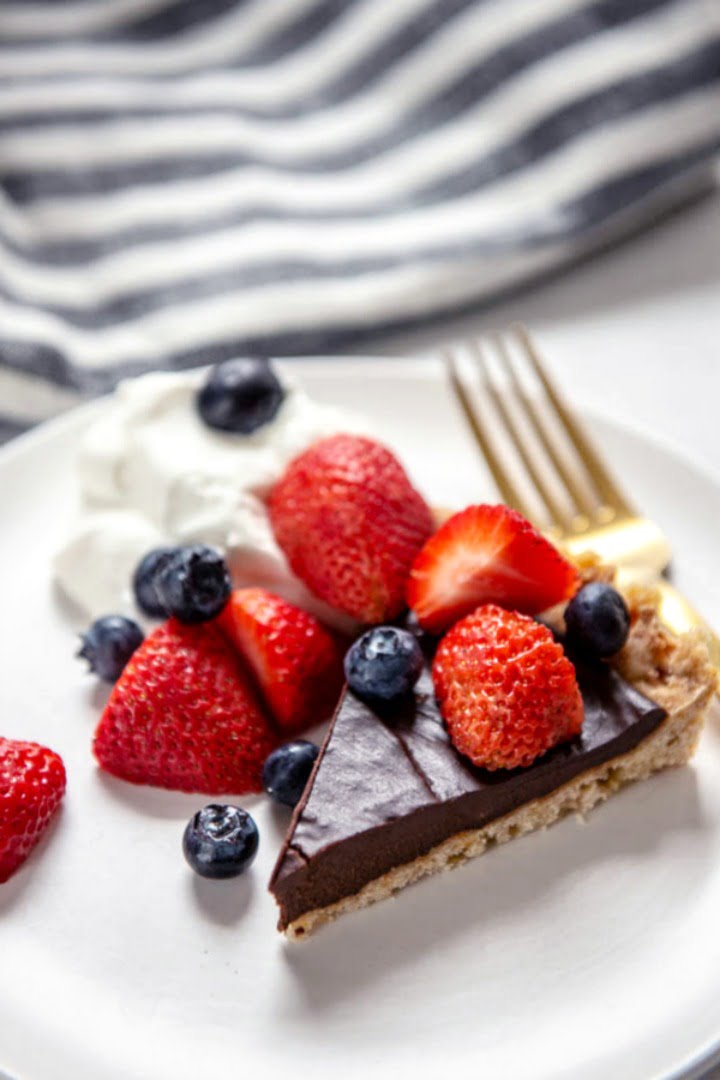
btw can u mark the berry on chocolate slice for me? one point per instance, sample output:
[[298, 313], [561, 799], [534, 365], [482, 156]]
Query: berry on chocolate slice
[[240, 396], [220, 841], [597, 621], [193, 584], [185, 715], [350, 523], [108, 644], [297, 663], [32, 784], [384, 664], [505, 688], [486, 555]]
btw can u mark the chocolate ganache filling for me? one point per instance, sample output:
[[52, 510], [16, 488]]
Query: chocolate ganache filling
[[388, 788]]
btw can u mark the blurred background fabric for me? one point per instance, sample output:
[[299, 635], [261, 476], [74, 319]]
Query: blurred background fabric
[[186, 180]]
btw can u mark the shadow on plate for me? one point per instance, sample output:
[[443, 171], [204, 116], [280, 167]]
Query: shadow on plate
[[345, 960], [97, 694], [161, 803], [278, 818], [223, 902], [13, 892]]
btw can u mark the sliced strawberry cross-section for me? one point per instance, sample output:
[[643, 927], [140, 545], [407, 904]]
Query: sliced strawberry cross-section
[[486, 554], [297, 663]]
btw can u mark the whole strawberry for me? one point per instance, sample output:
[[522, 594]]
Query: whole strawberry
[[486, 555], [296, 662], [32, 784], [350, 524], [505, 688], [184, 715]]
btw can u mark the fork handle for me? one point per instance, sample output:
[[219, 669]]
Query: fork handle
[[636, 544]]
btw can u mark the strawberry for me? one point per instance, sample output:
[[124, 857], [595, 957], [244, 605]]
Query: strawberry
[[184, 715], [350, 524], [505, 688], [486, 554], [295, 660], [32, 783]]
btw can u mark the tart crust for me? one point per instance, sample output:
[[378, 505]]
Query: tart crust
[[673, 672]]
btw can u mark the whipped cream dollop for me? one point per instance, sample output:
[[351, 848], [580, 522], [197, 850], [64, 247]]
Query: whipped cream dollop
[[152, 473]]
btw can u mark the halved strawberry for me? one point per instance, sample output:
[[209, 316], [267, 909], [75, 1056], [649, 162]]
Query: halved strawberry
[[486, 554], [295, 660]]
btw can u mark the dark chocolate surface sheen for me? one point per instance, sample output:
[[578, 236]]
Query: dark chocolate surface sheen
[[388, 789]]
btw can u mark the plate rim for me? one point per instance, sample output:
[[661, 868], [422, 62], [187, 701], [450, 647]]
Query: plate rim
[[55, 426]]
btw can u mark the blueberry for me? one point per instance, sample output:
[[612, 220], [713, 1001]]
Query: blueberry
[[286, 770], [145, 580], [240, 396], [193, 584], [220, 841], [384, 664], [108, 645], [597, 620]]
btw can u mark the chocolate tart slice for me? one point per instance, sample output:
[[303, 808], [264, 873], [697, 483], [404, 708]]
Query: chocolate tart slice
[[391, 800]]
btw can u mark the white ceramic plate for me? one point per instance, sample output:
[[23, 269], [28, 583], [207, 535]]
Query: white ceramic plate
[[591, 950]]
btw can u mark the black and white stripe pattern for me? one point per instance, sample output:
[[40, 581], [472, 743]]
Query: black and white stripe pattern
[[184, 180]]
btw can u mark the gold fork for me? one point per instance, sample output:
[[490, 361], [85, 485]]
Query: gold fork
[[545, 466]]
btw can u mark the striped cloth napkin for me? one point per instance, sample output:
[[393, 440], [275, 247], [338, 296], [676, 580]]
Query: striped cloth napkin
[[187, 180]]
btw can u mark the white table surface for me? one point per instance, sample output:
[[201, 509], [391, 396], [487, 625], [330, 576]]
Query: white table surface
[[633, 333]]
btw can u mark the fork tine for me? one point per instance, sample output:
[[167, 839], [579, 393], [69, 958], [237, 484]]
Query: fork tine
[[612, 497], [558, 513], [508, 491], [580, 495]]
